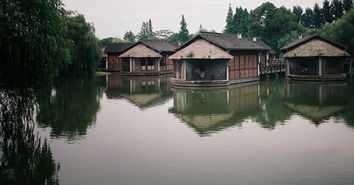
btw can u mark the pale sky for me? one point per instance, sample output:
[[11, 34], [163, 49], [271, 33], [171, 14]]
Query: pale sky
[[112, 18]]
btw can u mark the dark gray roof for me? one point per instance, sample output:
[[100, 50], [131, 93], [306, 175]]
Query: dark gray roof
[[119, 47], [308, 38], [158, 45], [230, 42]]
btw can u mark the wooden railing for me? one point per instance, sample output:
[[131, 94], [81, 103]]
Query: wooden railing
[[272, 67]]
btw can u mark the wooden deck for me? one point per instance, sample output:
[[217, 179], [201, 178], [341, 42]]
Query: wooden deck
[[277, 66]]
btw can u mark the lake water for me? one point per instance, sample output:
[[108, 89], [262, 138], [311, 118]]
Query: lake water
[[131, 131]]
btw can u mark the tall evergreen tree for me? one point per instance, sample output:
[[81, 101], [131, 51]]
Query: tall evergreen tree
[[307, 18], [144, 31], [229, 22], [150, 28], [317, 16], [129, 36], [337, 9], [240, 21], [326, 12], [297, 11], [183, 32]]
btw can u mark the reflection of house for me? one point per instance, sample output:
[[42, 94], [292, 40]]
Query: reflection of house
[[316, 101], [113, 50], [143, 92], [210, 110], [148, 58], [316, 59], [213, 59]]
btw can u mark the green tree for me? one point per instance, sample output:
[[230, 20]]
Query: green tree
[[108, 40], [146, 31], [326, 12], [183, 32], [297, 11], [307, 18], [85, 52], [150, 28], [240, 21], [257, 18], [174, 38], [229, 22], [278, 22], [129, 36], [341, 31], [32, 39], [293, 36], [337, 9], [318, 18]]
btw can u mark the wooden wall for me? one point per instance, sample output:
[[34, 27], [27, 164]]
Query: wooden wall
[[243, 65], [168, 62], [114, 62]]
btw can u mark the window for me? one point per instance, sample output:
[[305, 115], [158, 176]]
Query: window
[[147, 64]]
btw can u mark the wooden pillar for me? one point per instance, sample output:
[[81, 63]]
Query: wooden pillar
[[227, 70], [258, 64], [320, 66], [106, 62], [130, 65]]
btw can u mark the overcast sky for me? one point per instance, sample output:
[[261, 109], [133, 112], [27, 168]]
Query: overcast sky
[[112, 18]]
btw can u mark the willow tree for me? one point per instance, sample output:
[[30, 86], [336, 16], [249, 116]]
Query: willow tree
[[84, 51], [32, 35]]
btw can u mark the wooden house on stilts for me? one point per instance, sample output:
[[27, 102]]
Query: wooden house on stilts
[[214, 59], [314, 58], [148, 58]]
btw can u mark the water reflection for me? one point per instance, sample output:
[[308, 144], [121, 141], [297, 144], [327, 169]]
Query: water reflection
[[316, 101], [144, 92], [268, 103], [71, 107], [210, 110], [25, 158], [271, 98]]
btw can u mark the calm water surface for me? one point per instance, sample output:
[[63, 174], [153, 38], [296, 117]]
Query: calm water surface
[[124, 130]]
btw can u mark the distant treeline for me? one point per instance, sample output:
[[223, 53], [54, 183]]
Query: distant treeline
[[280, 26], [147, 33], [39, 39], [276, 26]]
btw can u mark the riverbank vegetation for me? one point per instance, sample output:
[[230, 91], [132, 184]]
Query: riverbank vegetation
[[40, 40]]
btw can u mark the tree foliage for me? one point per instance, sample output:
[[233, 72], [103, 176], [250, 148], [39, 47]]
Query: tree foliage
[[108, 40], [84, 51], [129, 36], [39, 38], [33, 43], [297, 11], [229, 17], [146, 32], [341, 31], [240, 21], [183, 32]]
